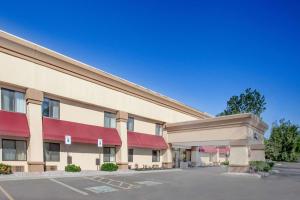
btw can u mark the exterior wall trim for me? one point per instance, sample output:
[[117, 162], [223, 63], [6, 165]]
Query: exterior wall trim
[[219, 122], [26, 50]]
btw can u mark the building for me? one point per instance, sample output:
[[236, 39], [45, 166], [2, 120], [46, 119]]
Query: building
[[46, 96]]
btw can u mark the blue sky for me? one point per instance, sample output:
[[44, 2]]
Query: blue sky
[[198, 52]]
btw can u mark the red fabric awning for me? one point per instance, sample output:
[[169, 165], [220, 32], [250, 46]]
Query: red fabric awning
[[14, 124], [147, 141], [54, 129], [224, 150], [208, 149], [213, 149]]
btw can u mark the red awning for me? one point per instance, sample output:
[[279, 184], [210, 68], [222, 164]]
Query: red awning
[[208, 149], [13, 124], [224, 150], [147, 141], [81, 133], [213, 149]]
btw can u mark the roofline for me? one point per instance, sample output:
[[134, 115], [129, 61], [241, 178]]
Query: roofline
[[228, 120], [24, 49]]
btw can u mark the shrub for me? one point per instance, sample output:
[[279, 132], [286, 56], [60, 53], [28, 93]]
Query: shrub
[[5, 169], [72, 168], [225, 162], [261, 166], [109, 167]]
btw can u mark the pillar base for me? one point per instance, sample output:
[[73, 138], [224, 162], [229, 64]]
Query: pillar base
[[238, 168], [167, 165], [35, 166], [123, 166]]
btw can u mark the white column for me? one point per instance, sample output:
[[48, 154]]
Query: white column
[[167, 154], [34, 99], [122, 151], [239, 156]]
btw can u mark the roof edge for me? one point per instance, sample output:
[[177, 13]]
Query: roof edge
[[27, 50], [229, 120]]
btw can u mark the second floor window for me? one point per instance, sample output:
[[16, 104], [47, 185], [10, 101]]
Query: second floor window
[[158, 129], [109, 120], [130, 124], [12, 101], [50, 108]]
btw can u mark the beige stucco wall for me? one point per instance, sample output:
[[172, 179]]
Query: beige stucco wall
[[144, 126], [53, 82], [257, 155], [82, 115], [144, 157], [239, 155], [84, 155], [217, 134]]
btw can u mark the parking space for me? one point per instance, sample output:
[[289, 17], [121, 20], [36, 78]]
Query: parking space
[[201, 183]]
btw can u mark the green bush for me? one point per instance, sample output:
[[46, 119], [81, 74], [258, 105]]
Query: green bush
[[72, 168], [5, 169], [225, 162], [109, 167], [261, 166]]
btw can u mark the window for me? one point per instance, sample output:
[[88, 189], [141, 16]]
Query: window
[[50, 108], [130, 155], [12, 101], [51, 151], [14, 150], [130, 124], [109, 154], [158, 129], [109, 120], [155, 156]]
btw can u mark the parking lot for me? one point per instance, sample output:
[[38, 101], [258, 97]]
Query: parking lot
[[200, 183]]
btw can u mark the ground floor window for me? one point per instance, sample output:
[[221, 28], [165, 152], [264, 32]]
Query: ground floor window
[[52, 152], [130, 155], [14, 150], [155, 156], [109, 154]]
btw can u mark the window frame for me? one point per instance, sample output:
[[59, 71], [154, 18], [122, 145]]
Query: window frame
[[15, 141], [130, 155], [13, 100], [160, 133], [51, 143], [157, 156], [132, 120], [49, 101], [110, 114], [110, 161]]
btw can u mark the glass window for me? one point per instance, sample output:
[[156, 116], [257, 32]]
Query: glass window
[[109, 120], [14, 150], [50, 108], [158, 129], [12, 101], [109, 154], [130, 124], [155, 156], [52, 151], [130, 155]]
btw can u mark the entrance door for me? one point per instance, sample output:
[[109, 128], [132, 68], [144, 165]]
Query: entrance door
[[176, 158]]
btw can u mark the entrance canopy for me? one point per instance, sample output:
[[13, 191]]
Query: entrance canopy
[[218, 131]]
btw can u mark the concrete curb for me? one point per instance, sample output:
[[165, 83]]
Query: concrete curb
[[242, 174], [62, 174]]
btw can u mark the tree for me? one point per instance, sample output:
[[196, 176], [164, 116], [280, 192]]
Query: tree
[[251, 101], [282, 144]]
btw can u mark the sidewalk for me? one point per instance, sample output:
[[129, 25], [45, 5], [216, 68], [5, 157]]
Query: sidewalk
[[62, 174]]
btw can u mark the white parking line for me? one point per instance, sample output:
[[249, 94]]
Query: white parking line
[[6, 193], [68, 186]]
